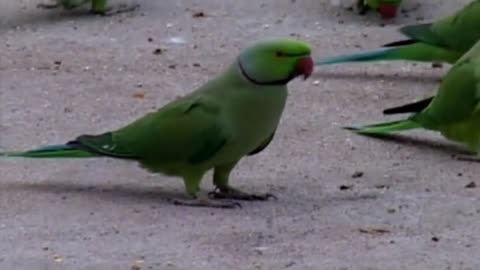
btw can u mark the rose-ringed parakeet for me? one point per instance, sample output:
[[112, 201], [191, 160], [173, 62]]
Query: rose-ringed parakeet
[[231, 116], [387, 8], [97, 6], [443, 41], [454, 111]]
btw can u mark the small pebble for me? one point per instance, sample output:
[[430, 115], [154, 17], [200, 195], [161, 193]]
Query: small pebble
[[345, 187], [198, 14], [471, 185], [357, 174]]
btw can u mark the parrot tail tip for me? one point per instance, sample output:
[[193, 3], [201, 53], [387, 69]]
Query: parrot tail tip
[[351, 128], [365, 132]]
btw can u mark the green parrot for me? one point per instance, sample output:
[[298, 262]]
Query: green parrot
[[231, 116], [443, 41], [97, 6], [454, 111], [387, 8]]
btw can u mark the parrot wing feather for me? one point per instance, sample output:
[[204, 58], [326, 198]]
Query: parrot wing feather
[[458, 87], [263, 145], [184, 131], [423, 33], [414, 107]]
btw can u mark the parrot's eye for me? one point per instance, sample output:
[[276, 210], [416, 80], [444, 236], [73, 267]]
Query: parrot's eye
[[280, 54]]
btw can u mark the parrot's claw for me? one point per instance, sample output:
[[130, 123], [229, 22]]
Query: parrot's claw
[[207, 203], [231, 193], [468, 158], [123, 8]]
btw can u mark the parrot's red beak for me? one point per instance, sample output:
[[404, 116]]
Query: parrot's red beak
[[305, 67], [388, 11]]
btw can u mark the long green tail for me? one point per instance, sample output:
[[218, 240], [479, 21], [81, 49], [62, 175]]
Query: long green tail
[[52, 151], [385, 128], [370, 56], [420, 52]]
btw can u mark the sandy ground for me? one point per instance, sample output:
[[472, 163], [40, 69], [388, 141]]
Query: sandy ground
[[406, 205]]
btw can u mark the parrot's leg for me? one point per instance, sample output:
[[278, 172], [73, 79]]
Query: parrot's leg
[[224, 191], [361, 7], [192, 187], [101, 7]]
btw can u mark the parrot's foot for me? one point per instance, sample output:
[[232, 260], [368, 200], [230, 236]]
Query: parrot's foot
[[235, 194], [123, 8], [204, 201], [470, 158]]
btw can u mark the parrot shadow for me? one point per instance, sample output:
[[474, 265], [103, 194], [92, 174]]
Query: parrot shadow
[[426, 144], [364, 76], [118, 193]]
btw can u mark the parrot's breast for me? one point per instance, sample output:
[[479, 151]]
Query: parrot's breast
[[253, 115], [466, 132]]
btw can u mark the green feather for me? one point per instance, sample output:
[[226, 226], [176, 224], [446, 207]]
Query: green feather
[[444, 40], [384, 128], [51, 151], [454, 111]]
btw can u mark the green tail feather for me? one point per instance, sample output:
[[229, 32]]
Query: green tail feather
[[419, 52], [370, 56], [385, 128], [52, 151]]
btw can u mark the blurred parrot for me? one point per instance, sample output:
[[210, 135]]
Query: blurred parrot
[[231, 116], [443, 41], [387, 8], [97, 6], [454, 111]]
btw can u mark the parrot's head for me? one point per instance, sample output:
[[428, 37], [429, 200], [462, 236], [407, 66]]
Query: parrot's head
[[276, 61], [388, 9]]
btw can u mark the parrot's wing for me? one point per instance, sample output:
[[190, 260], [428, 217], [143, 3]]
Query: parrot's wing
[[184, 131], [263, 145], [418, 33], [423, 33], [414, 107], [458, 96], [460, 30]]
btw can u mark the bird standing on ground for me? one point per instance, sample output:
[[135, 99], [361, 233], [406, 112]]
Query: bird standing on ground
[[231, 116]]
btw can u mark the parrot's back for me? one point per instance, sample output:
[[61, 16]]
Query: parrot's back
[[460, 30], [456, 107], [222, 121]]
